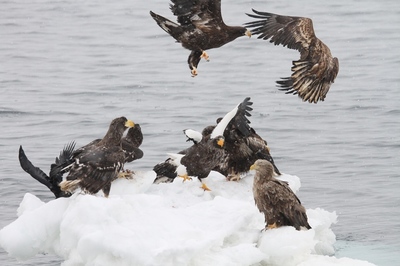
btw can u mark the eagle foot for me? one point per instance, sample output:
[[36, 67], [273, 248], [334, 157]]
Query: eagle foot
[[185, 177], [127, 174], [233, 177], [194, 71], [272, 226], [205, 56], [204, 186]]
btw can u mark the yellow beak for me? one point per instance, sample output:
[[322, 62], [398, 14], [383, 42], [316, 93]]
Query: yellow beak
[[252, 167], [221, 142], [129, 124]]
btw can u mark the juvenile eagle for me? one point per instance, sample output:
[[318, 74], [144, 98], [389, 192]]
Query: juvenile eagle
[[97, 164], [200, 28], [316, 69], [275, 199]]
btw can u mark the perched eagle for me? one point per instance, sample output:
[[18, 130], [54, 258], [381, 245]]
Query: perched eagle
[[54, 178], [275, 199], [316, 69], [200, 28], [131, 143], [241, 145], [201, 159], [97, 164]]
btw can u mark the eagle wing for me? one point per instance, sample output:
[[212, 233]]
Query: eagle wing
[[316, 70], [286, 204], [294, 32], [34, 171], [203, 14]]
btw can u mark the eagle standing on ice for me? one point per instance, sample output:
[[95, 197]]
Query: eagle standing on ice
[[316, 69], [97, 164], [200, 28], [275, 199]]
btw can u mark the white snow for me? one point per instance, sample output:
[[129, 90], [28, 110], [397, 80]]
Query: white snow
[[168, 224]]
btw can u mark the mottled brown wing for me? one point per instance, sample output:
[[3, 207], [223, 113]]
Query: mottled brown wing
[[316, 70], [294, 32], [203, 14]]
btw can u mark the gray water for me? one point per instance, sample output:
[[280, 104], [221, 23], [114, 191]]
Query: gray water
[[69, 67]]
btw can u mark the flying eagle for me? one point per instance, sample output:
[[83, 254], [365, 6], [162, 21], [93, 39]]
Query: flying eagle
[[200, 28], [54, 178], [276, 200], [97, 164], [316, 69]]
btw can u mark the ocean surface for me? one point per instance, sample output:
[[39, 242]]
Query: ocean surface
[[69, 67]]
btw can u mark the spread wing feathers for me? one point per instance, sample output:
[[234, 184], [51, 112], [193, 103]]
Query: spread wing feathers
[[294, 32], [238, 115], [35, 172], [65, 158], [281, 206], [51, 182], [172, 28], [203, 13], [240, 120], [316, 70]]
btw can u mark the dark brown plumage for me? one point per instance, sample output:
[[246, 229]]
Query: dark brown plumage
[[276, 200], [200, 160], [316, 69], [242, 145], [97, 164], [200, 28], [131, 143], [54, 178]]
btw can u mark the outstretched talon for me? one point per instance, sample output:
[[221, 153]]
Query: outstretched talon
[[205, 56], [185, 177], [204, 186], [194, 72]]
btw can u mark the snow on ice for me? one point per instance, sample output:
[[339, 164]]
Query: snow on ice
[[168, 224]]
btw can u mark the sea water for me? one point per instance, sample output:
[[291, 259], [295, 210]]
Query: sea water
[[69, 67]]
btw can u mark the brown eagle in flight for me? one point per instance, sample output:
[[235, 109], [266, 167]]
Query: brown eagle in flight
[[275, 199], [316, 69], [200, 28]]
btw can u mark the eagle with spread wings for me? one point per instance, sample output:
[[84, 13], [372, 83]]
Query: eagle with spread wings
[[200, 27], [316, 69]]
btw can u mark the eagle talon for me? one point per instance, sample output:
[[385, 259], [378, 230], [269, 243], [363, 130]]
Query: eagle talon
[[204, 186], [185, 177], [205, 56], [271, 226], [194, 72], [126, 174]]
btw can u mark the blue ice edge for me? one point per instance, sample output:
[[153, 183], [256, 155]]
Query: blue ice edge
[[379, 254]]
